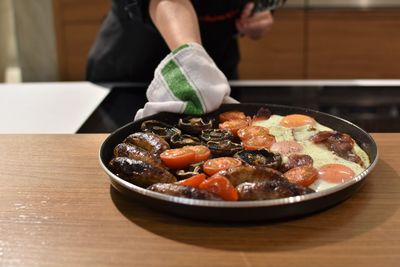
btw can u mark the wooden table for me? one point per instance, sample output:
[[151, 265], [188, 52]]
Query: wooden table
[[57, 209]]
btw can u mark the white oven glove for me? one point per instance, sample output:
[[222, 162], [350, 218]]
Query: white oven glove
[[186, 81]]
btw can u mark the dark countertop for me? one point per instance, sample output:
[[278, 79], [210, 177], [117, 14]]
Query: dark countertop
[[372, 105]]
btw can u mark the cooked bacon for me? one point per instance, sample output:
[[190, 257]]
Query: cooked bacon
[[262, 114], [296, 160], [340, 143]]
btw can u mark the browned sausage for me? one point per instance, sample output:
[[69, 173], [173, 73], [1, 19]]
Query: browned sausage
[[139, 172], [148, 141], [183, 191], [247, 173], [135, 152], [270, 189]]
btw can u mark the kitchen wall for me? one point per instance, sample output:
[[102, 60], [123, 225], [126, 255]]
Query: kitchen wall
[[35, 40], [6, 40]]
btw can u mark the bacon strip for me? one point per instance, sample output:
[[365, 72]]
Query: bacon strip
[[296, 160], [340, 143]]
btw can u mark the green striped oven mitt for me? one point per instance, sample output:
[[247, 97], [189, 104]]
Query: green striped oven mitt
[[186, 81]]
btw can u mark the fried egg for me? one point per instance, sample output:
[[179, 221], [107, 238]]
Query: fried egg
[[292, 134]]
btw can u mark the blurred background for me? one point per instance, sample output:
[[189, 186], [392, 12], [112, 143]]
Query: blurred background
[[337, 56], [48, 40]]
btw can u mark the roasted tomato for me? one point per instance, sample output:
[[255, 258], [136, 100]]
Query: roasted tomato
[[178, 158], [302, 175], [193, 181], [220, 186], [202, 153], [252, 131], [213, 166], [231, 115], [259, 142], [234, 125]]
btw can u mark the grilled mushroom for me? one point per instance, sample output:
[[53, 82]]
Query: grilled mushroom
[[215, 135], [223, 148], [192, 170], [194, 125], [260, 157], [159, 128], [181, 140]]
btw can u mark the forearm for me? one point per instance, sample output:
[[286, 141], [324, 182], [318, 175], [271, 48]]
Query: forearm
[[176, 20]]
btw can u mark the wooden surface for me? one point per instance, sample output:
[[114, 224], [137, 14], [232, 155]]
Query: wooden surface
[[280, 54], [351, 44], [76, 24], [57, 209]]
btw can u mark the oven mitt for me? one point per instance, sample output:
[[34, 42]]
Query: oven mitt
[[186, 81]]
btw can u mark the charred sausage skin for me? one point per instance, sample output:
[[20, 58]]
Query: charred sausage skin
[[135, 152], [140, 172], [247, 173], [154, 144], [183, 191], [270, 189]]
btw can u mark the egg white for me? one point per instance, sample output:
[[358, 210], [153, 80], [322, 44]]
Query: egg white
[[318, 152]]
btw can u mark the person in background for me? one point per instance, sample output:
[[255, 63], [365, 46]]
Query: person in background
[[137, 34]]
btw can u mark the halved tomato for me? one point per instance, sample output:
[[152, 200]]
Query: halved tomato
[[252, 131], [178, 158], [220, 186], [231, 115], [213, 166], [201, 152], [259, 142], [234, 125], [303, 175], [193, 181]]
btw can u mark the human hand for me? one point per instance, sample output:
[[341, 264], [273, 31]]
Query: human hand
[[254, 26]]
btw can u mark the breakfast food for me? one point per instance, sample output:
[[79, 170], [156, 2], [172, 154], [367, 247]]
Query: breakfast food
[[238, 157], [302, 141]]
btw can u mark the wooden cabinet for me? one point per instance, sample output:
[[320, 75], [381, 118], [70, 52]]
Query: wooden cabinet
[[76, 23], [303, 43], [279, 55], [350, 44], [326, 44]]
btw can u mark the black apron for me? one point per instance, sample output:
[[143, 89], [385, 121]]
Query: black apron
[[129, 47]]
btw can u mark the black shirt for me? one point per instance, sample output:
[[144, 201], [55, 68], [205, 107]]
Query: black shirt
[[129, 47]]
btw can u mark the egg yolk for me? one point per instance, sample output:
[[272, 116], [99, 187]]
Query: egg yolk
[[335, 173], [286, 147], [296, 120]]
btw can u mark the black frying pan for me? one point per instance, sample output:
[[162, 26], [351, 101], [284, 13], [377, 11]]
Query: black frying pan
[[243, 210]]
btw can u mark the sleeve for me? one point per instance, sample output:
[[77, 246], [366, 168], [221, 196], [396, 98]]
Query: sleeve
[[134, 10]]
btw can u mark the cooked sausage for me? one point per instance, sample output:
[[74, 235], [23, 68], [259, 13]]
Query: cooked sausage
[[135, 152], [246, 173], [183, 191], [148, 141], [139, 172], [270, 189]]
